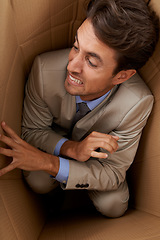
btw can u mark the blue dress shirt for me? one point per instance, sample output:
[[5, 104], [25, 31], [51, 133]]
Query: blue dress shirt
[[63, 173]]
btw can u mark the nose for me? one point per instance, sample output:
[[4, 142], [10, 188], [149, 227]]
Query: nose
[[75, 63]]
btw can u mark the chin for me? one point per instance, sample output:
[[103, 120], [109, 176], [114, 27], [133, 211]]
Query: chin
[[71, 90]]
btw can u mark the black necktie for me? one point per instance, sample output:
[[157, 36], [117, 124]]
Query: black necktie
[[82, 111]]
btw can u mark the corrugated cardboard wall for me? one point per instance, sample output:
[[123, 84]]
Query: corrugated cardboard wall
[[28, 28], [145, 172]]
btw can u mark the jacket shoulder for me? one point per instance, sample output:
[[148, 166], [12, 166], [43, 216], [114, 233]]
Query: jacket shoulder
[[136, 87], [49, 72], [55, 60]]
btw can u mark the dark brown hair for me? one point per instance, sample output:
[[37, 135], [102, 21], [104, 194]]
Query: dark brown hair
[[127, 26]]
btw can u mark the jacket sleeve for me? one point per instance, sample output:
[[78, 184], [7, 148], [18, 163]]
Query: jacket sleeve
[[37, 118], [107, 174]]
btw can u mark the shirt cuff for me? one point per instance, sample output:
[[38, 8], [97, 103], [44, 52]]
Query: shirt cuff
[[59, 145], [63, 172]]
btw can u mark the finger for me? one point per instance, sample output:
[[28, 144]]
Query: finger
[[6, 152], [109, 144], [116, 137], [7, 140], [112, 140], [98, 154], [10, 132], [109, 147], [98, 134], [7, 169], [104, 135]]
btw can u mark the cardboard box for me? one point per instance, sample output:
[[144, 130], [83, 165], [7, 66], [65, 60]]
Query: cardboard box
[[28, 28]]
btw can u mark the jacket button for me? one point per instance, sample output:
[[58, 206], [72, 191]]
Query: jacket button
[[82, 185]]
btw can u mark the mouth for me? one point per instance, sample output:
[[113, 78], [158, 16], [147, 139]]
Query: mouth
[[73, 80]]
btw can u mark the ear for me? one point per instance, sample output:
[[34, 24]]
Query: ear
[[123, 76]]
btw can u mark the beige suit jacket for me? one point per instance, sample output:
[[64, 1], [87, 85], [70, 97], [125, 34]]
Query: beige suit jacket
[[49, 111]]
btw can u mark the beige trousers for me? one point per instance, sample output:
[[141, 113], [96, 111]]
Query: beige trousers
[[109, 203]]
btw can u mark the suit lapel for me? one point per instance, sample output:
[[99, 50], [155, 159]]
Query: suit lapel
[[68, 110]]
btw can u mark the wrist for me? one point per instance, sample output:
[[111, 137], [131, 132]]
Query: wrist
[[68, 149], [52, 165]]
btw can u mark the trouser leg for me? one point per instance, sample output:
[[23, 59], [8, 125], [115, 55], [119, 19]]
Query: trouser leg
[[111, 203], [40, 181]]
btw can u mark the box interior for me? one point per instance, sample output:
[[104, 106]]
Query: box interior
[[29, 28]]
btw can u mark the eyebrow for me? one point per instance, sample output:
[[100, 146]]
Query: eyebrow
[[92, 54]]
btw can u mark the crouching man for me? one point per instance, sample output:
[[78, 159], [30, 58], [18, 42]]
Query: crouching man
[[85, 108]]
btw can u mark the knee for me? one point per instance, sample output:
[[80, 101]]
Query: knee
[[112, 208], [113, 203], [40, 182]]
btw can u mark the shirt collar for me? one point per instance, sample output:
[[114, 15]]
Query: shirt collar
[[94, 103]]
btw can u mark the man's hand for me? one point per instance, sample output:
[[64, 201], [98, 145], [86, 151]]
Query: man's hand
[[24, 155], [82, 151]]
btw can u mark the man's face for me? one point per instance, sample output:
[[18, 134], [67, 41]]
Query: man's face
[[91, 65]]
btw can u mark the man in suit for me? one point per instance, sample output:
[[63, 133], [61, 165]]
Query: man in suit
[[99, 75]]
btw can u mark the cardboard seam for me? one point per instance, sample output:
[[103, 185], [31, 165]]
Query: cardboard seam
[[34, 38], [40, 25], [155, 99], [64, 9], [43, 228], [40, 34], [33, 33], [14, 23], [72, 24], [157, 68], [50, 22], [11, 4], [9, 216], [147, 211], [16, 34], [9, 78]]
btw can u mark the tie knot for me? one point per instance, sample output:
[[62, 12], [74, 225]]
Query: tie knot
[[83, 108]]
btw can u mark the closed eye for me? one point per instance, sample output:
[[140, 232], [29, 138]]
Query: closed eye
[[90, 62]]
